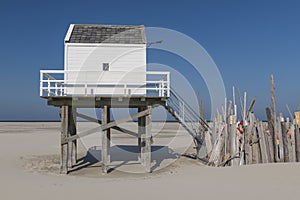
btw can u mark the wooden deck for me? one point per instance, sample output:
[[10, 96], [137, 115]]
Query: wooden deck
[[100, 101]]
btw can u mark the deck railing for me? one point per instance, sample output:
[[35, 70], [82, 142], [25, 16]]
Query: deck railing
[[65, 83]]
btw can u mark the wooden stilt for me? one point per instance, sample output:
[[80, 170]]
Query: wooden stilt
[[74, 132], [147, 150], [64, 146], [105, 139], [145, 145], [140, 131], [72, 145]]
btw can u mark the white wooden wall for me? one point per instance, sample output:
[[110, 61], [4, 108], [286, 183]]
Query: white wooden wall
[[127, 65]]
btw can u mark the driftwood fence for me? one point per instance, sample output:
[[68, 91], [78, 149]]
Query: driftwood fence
[[250, 141]]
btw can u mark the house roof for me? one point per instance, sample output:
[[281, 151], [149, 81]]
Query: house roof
[[111, 34]]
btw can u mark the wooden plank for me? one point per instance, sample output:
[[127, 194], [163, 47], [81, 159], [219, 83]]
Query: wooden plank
[[208, 143], [64, 147], [248, 153], [110, 125], [279, 139], [216, 155], [91, 119], [271, 137], [275, 137], [254, 140], [80, 135], [297, 117], [284, 142], [123, 130], [233, 144], [297, 142], [251, 106], [293, 144], [125, 119], [263, 143], [256, 156]]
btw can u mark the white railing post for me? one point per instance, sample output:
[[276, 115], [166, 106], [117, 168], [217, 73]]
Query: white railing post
[[56, 92], [168, 84], [163, 88], [159, 89], [49, 85], [183, 111], [41, 83], [61, 89]]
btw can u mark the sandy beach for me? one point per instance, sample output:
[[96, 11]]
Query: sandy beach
[[29, 169]]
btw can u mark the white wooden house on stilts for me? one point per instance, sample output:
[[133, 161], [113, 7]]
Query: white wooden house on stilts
[[105, 67]]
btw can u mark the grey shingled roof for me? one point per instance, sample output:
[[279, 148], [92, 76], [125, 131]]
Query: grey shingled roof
[[113, 34]]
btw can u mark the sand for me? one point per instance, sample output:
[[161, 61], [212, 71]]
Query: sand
[[29, 169]]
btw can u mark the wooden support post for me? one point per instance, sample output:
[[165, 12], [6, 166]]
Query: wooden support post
[[72, 145], [146, 141], [64, 146], [140, 132], [105, 139], [74, 132]]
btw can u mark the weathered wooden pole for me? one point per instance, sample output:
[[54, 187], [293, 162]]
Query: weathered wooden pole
[[279, 138], [72, 145], [140, 132], [242, 155], [284, 139], [64, 145], [297, 142], [248, 152], [233, 141], [274, 119], [272, 138], [292, 143], [146, 140], [263, 143], [254, 140], [105, 139]]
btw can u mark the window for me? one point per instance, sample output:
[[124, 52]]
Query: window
[[105, 66]]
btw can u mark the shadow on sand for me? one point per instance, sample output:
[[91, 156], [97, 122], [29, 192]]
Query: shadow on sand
[[124, 155]]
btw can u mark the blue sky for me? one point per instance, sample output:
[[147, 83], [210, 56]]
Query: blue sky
[[248, 40]]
